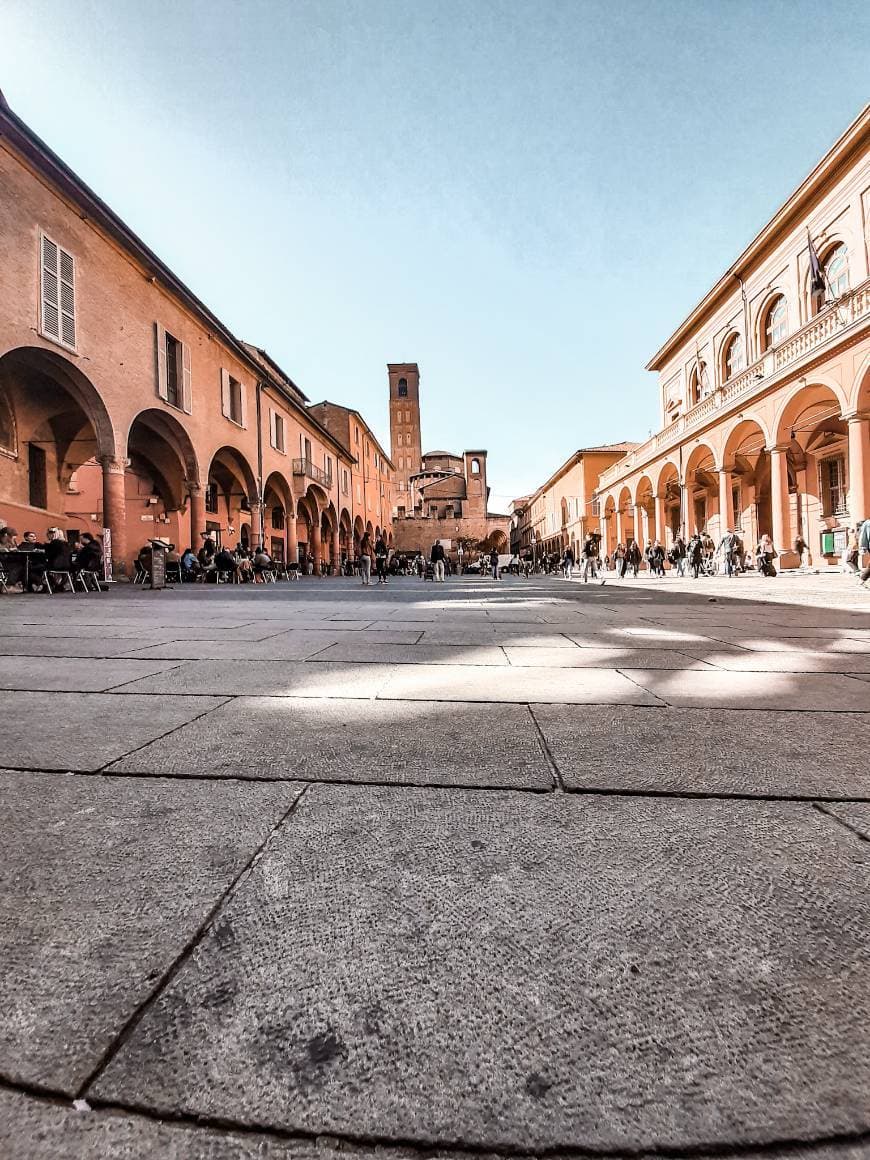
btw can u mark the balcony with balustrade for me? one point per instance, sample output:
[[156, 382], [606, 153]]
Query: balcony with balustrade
[[309, 470], [839, 322]]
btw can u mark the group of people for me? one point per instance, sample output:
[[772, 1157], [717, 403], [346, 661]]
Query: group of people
[[241, 565], [53, 564]]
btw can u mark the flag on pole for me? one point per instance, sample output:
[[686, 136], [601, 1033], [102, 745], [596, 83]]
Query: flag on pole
[[817, 274]]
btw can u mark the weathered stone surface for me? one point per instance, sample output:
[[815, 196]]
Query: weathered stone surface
[[36, 1129], [266, 678], [601, 658], [63, 673], [104, 881], [855, 814], [84, 731], [710, 688], [349, 740], [717, 751], [527, 971], [459, 683], [415, 654]]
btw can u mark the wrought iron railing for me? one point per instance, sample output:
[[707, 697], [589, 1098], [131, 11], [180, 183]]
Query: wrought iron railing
[[315, 473]]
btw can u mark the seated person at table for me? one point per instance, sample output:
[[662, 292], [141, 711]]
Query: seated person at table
[[29, 542], [206, 554], [224, 561], [172, 556], [262, 560], [90, 556], [189, 565], [58, 552]]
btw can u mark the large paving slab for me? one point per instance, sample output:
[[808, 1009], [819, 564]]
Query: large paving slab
[[104, 881], [601, 658], [85, 731], [708, 751], [804, 661], [414, 742], [523, 971], [97, 644], [415, 654], [727, 690], [266, 678], [567, 686], [75, 675]]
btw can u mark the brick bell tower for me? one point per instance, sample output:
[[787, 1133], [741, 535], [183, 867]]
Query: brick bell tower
[[405, 440]]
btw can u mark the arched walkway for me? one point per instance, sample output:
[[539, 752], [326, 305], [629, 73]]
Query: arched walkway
[[231, 501]]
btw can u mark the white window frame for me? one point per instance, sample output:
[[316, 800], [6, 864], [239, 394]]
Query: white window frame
[[185, 402], [274, 420], [61, 282]]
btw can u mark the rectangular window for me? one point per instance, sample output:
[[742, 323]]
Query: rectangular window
[[356, 434], [57, 291], [233, 399], [327, 466], [173, 371], [236, 401], [276, 432], [345, 483], [211, 498], [737, 508], [833, 485], [37, 477], [358, 494]]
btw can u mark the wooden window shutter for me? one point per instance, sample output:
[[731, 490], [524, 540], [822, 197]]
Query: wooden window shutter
[[225, 393], [186, 400], [160, 335], [273, 433], [243, 398], [50, 288]]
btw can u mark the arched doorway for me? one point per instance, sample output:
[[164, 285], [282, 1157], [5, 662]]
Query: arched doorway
[[747, 462], [278, 514], [644, 506], [702, 488], [231, 494], [625, 517], [671, 502], [161, 477], [54, 422]]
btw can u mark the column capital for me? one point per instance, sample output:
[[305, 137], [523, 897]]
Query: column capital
[[857, 417], [778, 447], [114, 464], [194, 486]]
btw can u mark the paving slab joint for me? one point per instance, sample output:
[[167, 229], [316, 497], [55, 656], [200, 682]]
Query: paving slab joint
[[555, 772], [853, 830], [187, 950]]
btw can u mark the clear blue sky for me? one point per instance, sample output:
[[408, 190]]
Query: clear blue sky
[[523, 197]]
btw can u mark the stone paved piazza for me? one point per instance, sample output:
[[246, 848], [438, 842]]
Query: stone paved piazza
[[530, 867]]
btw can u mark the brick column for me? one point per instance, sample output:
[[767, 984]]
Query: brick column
[[859, 468], [196, 493], [315, 548], [725, 518], [336, 551], [292, 535], [256, 524], [115, 509], [780, 533]]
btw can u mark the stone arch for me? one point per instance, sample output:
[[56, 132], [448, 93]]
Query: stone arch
[[70, 379], [670, 492], [702, 485], [859, 394], [608, 508], [822, 393], [625, 514], [279, 509], [746, 458], [645, 511], [231, 490]]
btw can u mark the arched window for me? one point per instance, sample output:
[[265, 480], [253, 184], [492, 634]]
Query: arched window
[[837, 271], [733, 362], [475, 467], [403, 388], [775, 322], [697, 379]]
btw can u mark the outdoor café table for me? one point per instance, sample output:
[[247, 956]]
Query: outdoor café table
[[29, 563]]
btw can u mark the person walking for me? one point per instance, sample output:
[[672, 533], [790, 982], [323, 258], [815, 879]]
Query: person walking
[[493, 564], [678, 555], [632, 556], [436, 556], [864, 548], [590, 557], [695, 554], [568, 564], [800, 548], [365, 559], [619, 561], [727, 547], [657, 559], [381, 555], [852, 555], [766, 554]]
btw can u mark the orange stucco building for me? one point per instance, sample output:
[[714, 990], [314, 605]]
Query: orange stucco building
[[126, 404], [765, 387]]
